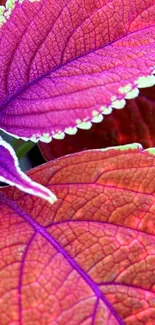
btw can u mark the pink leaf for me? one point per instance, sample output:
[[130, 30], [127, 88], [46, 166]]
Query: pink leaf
[[11, 173], [89, 258], [135, 123], [65, 63]]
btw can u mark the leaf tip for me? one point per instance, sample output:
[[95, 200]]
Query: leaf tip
[[50, 197], [15, 177]]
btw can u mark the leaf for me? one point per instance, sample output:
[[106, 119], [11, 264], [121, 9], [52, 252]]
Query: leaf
[[136, 123], [11, 173], [66, 63], [89, 258]]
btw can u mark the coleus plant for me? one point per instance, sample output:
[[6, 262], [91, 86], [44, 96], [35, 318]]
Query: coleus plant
[[89, 258], [66, 64], [135, 123]]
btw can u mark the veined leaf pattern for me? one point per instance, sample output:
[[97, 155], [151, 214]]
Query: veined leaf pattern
[[89, 258], [66, 63]]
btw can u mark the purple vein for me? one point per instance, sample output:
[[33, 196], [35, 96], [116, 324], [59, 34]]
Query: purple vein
[[131, 286], [33, 82], [38, 228], [21, 278]]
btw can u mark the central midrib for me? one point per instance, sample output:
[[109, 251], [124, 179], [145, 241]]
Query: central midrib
[[33, 82], [13, 205]]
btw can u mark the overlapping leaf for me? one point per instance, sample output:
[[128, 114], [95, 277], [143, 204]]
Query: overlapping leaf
[[11, 173], [66, 62], [88, 259]]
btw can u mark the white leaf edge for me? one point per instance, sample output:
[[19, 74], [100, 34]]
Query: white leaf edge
[[129, 91], [40, 191]]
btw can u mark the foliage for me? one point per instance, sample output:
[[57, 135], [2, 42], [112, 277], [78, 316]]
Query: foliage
[[69, 65]]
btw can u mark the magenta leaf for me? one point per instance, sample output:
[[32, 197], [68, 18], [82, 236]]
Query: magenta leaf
[[11, 174], [114, 130], [66, 63]]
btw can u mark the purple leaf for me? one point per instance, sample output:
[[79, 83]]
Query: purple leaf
[[66, 63], [11, 174]]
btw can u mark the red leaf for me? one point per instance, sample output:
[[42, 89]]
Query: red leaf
[[66, 63], [136, 123], [89, 258]]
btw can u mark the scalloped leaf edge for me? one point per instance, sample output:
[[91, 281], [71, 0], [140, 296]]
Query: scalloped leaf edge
[[130, 91]]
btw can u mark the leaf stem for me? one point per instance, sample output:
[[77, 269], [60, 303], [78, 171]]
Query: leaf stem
[[24, 149]]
